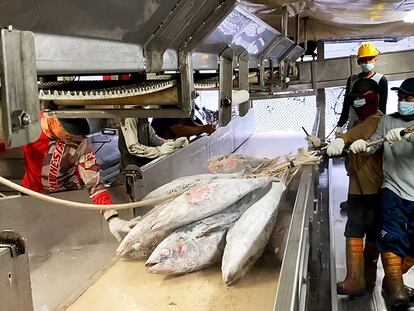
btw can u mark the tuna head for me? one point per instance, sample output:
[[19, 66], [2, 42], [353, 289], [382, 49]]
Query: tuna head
[[176, 259]]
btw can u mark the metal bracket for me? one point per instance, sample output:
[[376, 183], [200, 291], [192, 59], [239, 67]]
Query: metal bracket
[[13, 241], [244, 80], [18, 79], [226, 86], [132, 174], [180, 26]]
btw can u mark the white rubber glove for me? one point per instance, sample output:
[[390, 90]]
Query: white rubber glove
[[359, 146], [336, 147], [313, 141], [338, 131], [394, 135], [180, 142], [120, 227], [152, 152]]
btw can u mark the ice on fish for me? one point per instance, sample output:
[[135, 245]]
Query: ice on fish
[[232, 163], [141, 240], [247, 238], [203, 201]]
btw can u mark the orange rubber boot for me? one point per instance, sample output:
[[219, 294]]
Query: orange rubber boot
[[354, 283], [371, 255]]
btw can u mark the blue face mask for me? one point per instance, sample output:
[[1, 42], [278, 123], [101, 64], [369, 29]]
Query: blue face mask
[[367, 67], [359, 102], [405, 108]]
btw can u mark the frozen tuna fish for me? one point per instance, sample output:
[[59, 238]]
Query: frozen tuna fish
[[192, 247], [186, 183], [247, 238], [232, 163], [141, 240], [203, 201], [199, 244]]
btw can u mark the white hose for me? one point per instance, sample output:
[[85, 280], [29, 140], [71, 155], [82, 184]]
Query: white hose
[[87, 206]]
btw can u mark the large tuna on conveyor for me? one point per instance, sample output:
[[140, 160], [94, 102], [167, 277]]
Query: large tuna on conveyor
[[195, 204], [200, 244], [246, 240]]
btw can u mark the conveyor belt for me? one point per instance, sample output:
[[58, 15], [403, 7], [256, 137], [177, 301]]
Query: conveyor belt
[[127, 286]]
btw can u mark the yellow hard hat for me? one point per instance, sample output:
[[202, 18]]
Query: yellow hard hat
[[367, 50]]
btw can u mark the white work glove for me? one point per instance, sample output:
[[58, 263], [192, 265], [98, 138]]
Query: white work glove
[[313, 141], [338, 131], [180, 142], [359, 146], [120, 227], [336, 147], [394, 135], [152, 152]]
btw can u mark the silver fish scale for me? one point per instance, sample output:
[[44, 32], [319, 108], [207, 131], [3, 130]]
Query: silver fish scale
[[84, 90]]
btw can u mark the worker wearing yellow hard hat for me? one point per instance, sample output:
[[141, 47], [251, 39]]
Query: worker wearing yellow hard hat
[[367, 57]]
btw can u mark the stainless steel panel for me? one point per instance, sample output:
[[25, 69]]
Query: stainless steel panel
[[284, 45], [243, 128], [288, 295], [18, 94], [132, 21], [188, 23], [187, 161], [15, 290], [222, 141], [335, 72], [57, 54], [193, 158], [47, 225]]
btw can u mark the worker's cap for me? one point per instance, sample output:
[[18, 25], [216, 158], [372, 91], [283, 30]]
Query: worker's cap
[[407, 87], [75, 126], [363, 85], [64, 129]]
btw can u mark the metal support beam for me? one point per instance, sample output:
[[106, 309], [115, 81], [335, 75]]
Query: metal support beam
[[244, 80], [284, 21], [321, 106], [226, 86], [19, 123], [297, 39], [119, 113], [187, 92]]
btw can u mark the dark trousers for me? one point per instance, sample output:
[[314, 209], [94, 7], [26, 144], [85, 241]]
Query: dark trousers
[[363, 212], [396, 232]]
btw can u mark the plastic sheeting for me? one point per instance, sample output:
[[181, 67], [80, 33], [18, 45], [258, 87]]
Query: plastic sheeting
[[328, 19]]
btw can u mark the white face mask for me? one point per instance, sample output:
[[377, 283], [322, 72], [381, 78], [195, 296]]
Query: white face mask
[[367, 67], [359, 102]]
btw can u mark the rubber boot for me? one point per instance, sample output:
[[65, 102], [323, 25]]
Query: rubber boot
[[408, 262], [394, 286], [354, 283], [371, 255]]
